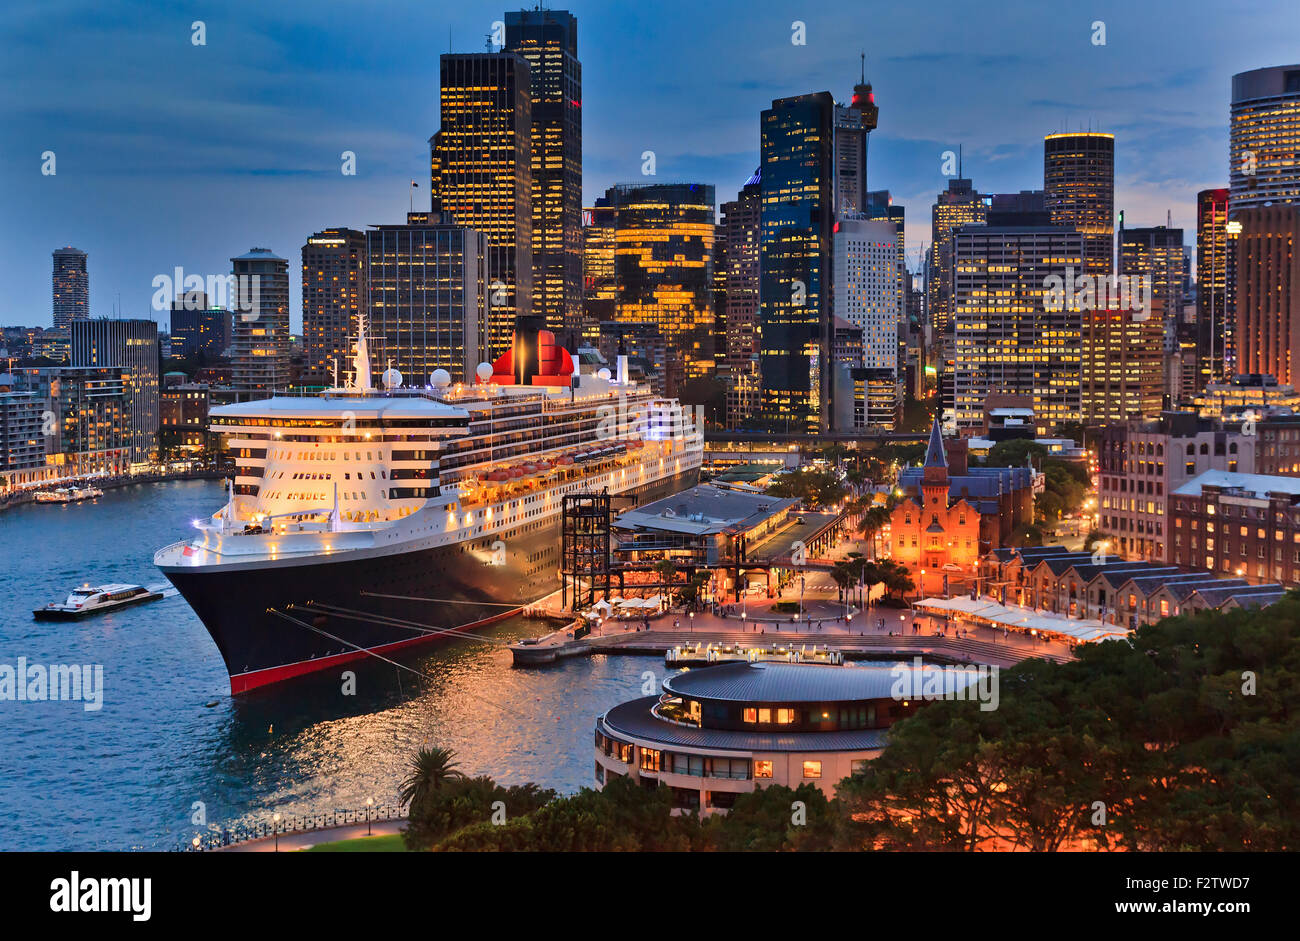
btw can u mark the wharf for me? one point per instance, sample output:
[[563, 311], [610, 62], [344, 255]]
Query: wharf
[[866, 645]]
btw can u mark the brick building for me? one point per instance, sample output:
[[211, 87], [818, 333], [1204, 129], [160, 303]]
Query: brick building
[[1246, 525], [1277, 451], [1142, 462], [935, 536]]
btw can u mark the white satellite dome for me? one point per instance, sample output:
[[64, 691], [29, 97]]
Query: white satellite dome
[[391, 378], [440, 378], [603, 374], [483, 371]]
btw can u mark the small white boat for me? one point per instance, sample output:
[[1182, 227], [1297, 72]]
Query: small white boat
[[68, 494], [88, 600]]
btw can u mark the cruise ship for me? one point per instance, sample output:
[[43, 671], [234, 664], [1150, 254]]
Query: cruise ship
[[367, 519]]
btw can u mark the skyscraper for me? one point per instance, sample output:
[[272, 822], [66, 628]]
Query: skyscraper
[[740, 221], [548, 39], [865, 295], [481, 174], [881, 206], [132, 347], [599, 285], [198, 328], [260, 356], [956, 206], [1215, 254], [1157, 251], [853, 122], [333, 296], [1264, 138], [428, 302], [1267, 291], [663, 268], [1079, 180], [798, 200], [1121, 363], [1010, 336], [71, 287]]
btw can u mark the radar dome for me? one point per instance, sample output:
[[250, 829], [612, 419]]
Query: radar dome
[[440, 378], [603, 374], [391, 378], [484, 372]]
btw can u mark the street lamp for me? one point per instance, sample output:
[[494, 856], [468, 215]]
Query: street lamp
[[195, 842], [692, 622], [369, 802], [275, 820]]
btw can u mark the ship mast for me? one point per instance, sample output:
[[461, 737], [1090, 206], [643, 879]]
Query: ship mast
[[361, 362]]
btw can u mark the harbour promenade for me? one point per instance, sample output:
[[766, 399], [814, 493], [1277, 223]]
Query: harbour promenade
[[25, 495], [881, 631]]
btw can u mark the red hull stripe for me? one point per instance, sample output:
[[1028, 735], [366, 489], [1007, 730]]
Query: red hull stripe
[[244, 682]]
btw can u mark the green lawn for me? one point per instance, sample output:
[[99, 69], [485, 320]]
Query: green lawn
[[392, 843]]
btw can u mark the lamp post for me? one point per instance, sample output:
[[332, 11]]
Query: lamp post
[[692, 622], [369, 801], [195, 842], [275, 827]]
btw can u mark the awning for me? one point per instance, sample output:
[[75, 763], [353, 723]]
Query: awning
[[1086, 630]]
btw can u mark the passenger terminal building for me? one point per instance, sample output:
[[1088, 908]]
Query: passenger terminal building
[[724, 730]]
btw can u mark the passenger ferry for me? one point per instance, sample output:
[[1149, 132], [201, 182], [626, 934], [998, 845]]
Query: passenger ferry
[[362, 521], [85, 601]]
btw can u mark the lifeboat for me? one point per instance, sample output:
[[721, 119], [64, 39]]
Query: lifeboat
[[499, 475], [530, 470], [565, 459], [516, 472]]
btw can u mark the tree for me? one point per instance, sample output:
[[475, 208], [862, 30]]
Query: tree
[[814, 487], [464, 802], [873, 522], [776, 819], [430, 768], [1014, 452]]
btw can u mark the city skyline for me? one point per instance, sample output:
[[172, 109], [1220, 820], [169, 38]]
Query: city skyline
[[208, 139]]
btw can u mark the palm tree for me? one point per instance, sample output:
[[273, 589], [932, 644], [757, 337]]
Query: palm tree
[[430, 769], [666, 569], [842, 575], [873, 521]]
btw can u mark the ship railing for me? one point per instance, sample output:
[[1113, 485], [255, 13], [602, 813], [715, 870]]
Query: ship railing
[[265, 829]]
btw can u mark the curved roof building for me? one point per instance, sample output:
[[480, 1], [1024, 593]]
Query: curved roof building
[[723, 730]]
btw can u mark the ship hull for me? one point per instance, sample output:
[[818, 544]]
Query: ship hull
[[277, 622]]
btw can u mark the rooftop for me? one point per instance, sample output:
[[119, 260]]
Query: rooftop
[[635, 719], [1258, 486], [325, 406], [804, 682], [705, 509]]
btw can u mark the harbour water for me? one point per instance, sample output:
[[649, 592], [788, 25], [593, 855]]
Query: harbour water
[[169, 735]]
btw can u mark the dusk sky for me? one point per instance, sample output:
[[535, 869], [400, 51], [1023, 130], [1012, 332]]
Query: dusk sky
[[173, 154]]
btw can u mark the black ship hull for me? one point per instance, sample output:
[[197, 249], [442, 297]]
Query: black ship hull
[[275, 622]]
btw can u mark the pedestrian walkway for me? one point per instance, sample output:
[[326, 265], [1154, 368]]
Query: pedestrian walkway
[[306, 839]]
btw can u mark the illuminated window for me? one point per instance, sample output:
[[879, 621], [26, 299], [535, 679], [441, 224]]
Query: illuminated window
[[812, 769], [751, 715], [765, 715], [762, 769], [784, 716]]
